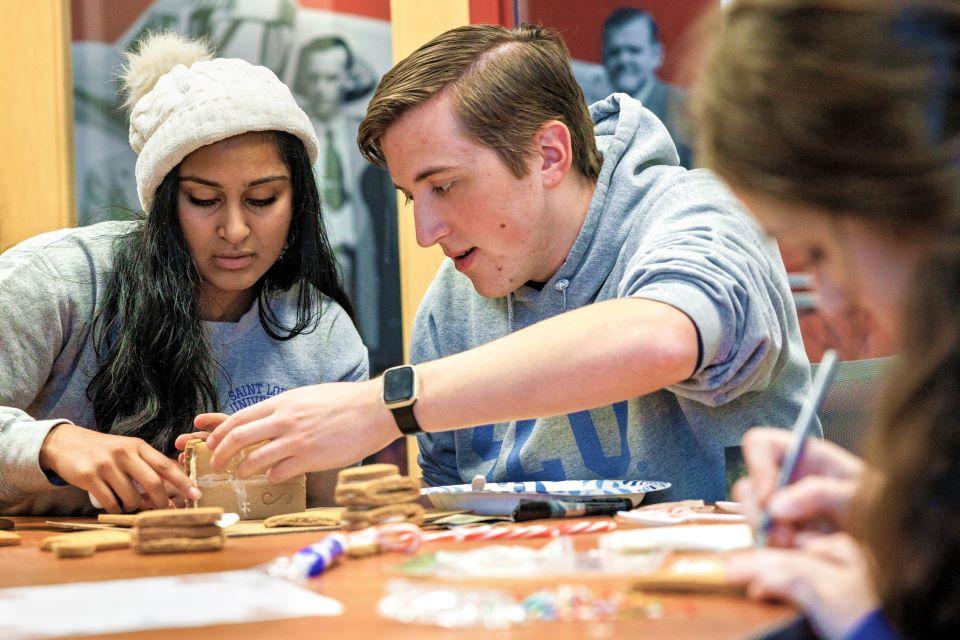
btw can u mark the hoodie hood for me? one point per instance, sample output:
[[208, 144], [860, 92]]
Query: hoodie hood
[[629, 134], [637, 150]]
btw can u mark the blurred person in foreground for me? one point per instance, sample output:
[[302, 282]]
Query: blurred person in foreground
[[837, 122]]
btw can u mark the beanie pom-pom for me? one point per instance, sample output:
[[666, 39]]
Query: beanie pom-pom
[[156, 55]]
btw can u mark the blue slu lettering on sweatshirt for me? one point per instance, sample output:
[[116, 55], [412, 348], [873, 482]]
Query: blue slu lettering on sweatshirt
[[588, 441], [487, 448], [549, 470], [248, 394], [484, 445]]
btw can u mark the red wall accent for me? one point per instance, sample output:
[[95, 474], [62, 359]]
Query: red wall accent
[[581, 23], [378, 9], [106, 20], [491, 12], [103, 20]]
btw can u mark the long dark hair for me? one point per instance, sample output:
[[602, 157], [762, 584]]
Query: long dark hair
[[156, 370], [912, 524]]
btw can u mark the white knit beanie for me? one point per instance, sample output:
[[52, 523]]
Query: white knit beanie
[[180, 100]]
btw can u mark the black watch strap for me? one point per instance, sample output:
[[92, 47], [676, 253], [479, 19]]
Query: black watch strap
[[406, 420]]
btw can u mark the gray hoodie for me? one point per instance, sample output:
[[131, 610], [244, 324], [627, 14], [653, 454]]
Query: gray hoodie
[[657, 231], [49, 285]]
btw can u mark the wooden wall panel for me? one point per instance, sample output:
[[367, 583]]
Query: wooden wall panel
[[415, 22], [36, 120]]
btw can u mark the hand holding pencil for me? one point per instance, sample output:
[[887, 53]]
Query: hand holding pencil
[[825, 479]]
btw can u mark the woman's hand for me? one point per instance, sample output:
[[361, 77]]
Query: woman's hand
[[312, 428], [827, 577], [827, 479], [107, 466], [206, 423]]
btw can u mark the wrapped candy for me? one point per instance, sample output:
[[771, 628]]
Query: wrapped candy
[[310, 561]]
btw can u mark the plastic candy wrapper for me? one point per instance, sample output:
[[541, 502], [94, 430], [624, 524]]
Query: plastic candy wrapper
[[310, 561], [450, 607], [507, 561], [455, 607]]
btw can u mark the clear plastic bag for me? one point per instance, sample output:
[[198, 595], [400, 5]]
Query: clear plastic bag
[[449, 606]]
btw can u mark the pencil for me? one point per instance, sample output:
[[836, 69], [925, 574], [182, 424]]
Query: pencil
[[806, 419]]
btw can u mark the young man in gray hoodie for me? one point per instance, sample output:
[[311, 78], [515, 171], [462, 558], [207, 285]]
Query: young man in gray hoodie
[[589, 278]]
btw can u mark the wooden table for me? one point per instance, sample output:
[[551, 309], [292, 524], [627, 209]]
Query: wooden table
[[359, 584]]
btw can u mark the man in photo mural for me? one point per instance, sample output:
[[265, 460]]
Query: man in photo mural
[[329, 81], [632, 54]]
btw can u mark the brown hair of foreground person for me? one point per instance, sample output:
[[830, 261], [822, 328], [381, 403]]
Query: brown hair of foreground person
[[848, 105], [852, 108]]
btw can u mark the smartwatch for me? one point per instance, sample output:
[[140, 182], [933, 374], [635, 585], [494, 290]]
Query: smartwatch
[[399, 395]]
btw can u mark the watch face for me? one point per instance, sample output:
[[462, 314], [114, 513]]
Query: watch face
[[398, 384]]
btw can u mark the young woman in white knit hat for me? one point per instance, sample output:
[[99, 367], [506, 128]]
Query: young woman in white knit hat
[[225, 293]]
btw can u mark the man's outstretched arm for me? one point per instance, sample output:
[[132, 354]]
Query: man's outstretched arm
[[585, 358]]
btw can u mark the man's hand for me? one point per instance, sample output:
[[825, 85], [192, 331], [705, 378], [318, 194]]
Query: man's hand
[[828, 478], [107, 466], [206, 423], [827, 577], [310, 429]]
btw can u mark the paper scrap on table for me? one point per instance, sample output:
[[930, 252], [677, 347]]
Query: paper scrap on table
[[684, 537], [116, 606], [658, 519]]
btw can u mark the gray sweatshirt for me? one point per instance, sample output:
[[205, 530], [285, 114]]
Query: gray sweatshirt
[[49, 286], [656, 231]]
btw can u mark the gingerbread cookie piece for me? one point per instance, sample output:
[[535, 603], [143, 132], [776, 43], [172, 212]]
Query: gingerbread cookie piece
[[703, 574], [197, 456], [74, 549], [5, 524], [82, 543], [178, 517], [302, 519], [355, 518], [378, 492], [366, 472], [159, 533], [9, 539], [118, 519], [176, 545], [362, 544]]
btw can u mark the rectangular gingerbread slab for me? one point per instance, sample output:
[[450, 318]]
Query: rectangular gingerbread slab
[[177, 517], [253, 498]]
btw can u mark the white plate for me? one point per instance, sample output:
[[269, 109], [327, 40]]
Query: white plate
[[500, 498]]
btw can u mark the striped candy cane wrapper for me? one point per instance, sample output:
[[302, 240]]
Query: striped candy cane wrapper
[[488, 532]]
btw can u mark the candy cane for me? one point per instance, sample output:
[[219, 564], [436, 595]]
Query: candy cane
[[487, 532]]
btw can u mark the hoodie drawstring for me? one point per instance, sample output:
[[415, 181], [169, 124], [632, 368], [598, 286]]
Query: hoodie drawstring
[[561, 286]]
